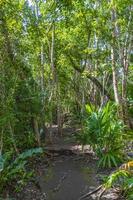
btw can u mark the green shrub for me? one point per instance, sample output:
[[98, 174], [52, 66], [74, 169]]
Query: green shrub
[[103, 131], [10, 170], [124, 180]]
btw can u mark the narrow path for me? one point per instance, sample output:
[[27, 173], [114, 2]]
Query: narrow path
[[70, 173], [67, 175], [67, 178]]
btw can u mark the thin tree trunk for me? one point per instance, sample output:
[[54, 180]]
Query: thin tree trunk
[[125, 56], [53, 70], [13, 139], [42, 75], [115, 83], [59, 112], [43, 91], [36, 130], [52, 56], [83, 102], [113, 55], [124, 90]]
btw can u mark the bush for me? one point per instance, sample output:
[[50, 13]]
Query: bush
[[10, 170], [122, 179], [103, 131]]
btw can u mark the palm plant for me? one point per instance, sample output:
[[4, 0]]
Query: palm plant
[[104, 133], [122, 179]]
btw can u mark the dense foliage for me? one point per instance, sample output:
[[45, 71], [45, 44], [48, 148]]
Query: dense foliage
[[56, 58]]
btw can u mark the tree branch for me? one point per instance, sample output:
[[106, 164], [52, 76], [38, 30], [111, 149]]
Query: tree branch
[[92, 78]]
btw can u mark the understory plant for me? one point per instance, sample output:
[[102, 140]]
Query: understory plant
[[103, 131], [14, 169], [122, 179]]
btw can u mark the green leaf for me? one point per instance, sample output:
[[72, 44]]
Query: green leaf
[[89, 108]]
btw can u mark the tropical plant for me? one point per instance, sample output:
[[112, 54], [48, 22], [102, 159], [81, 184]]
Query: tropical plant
[[122, 179], [10, 170], [103, 131]]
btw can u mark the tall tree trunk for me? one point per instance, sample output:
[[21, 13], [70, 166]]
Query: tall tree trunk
[[120, 100], [42, 74], [125, 56], [115, 83], [59, 113], [53, 82], [114, 56], [43, 109], [36, 130], [53, 68], [124, 89]]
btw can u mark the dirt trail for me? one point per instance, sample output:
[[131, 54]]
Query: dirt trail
[[70, 173], [67, 179]]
